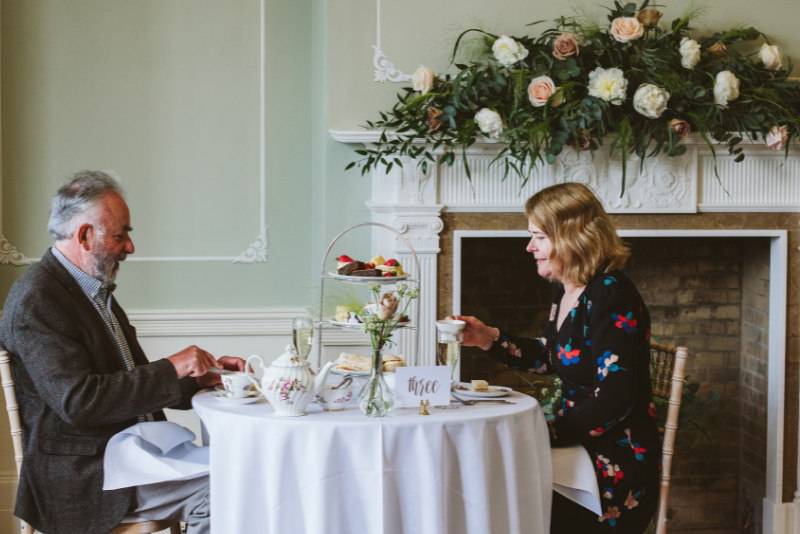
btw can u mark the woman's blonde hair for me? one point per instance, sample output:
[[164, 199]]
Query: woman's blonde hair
[[585, 240]]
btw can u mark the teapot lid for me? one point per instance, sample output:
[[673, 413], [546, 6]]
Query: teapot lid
[[290, 358]]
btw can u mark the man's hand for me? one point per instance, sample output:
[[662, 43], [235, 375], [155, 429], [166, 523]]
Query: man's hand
[[231, 363], [193, 361]]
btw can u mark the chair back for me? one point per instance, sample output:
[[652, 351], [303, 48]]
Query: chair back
[[145, 527], [667, 374]]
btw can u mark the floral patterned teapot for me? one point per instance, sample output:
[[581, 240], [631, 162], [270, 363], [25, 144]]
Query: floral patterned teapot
[[289, 384]]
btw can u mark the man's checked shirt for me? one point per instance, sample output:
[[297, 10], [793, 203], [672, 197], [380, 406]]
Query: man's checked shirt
[[99, 294]]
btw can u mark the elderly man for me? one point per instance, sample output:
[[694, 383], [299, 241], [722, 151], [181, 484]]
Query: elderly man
[[82, 377]]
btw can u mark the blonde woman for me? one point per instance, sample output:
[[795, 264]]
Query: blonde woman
[[597, 341]]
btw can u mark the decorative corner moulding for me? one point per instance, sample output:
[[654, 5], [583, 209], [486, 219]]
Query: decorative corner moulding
[[257, 251], [9, 255], [385, 71]]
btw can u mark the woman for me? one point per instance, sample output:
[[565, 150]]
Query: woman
[[597, 341]]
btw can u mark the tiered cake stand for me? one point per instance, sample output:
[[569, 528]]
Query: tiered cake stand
[[410, 359]]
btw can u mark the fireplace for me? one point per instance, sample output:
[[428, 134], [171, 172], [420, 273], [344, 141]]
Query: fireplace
[[749, 355]]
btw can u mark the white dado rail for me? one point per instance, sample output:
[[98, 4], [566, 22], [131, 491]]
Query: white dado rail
[[412, 202]]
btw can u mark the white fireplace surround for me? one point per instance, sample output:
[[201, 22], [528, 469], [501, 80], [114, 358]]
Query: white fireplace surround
[[765, 181]]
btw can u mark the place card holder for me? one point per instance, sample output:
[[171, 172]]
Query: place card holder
[[424, 410]]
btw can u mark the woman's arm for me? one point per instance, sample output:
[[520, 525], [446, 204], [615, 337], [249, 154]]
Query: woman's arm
[[615, 339], [523, 354]]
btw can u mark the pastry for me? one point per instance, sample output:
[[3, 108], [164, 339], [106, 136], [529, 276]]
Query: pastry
[[349, 268], [377, 260], [391, 266], [342, 314], [353, 362], [364, 272], [392, 362], [480, 386], [343, 260]]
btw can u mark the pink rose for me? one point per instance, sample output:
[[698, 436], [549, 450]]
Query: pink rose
[[649, 17], [679, 127], [541, 89], [626, 29], [718, 49], [584, 141], [566, 45], [777, 138]]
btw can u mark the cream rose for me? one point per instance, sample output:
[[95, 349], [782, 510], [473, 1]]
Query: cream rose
[[607, 84], [566, 45], [650, 100], [507, 51], [626, 29], [387, 306], [423, 79], [489, 122], [770, 57], [690, 53], [726, 88], [777, 138], [541, 89]]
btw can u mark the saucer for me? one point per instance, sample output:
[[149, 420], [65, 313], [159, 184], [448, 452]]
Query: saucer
[[223, 397]]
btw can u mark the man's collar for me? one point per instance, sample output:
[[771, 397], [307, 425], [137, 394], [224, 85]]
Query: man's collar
[[90, 285]]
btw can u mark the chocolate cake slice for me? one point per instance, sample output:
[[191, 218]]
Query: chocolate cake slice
[[366, 272], [350, 267]]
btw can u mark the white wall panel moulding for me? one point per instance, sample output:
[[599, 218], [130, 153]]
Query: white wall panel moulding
[[215, 322], [256, 252]]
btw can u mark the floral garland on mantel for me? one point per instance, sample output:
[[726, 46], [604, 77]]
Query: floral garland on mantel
[[579, 82]]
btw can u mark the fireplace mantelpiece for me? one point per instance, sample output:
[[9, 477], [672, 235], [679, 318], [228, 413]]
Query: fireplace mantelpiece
[[668, 195]]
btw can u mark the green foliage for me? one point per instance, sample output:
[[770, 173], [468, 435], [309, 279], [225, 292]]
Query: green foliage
[[767, 97]]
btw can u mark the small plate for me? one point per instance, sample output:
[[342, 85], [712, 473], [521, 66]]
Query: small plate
[[346, 372], [357, 326], [465, 389], [223, 397], [365, 279]]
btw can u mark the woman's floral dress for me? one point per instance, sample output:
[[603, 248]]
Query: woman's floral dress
[[602, 355]]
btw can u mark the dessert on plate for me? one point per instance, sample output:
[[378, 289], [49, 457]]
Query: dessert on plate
[[480, 386], [353, 362], [375, 268], [391, 362]]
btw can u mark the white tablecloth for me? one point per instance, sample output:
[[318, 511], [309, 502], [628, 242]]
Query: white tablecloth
[[474, 470]]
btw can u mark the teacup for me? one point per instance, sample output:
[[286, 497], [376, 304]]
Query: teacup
[[237, 385], [333, 400]]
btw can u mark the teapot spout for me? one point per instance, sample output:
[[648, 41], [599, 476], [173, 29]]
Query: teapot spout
[[319, 382]]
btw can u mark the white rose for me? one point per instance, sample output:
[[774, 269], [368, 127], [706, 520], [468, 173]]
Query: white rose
[[607, 84], [489, 122], [726, 88], [770, 56], [508, 51], [690, 53], [423, 79], [650, 100]]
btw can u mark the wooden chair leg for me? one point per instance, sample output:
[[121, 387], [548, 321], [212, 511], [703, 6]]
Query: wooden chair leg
[[175, 529]]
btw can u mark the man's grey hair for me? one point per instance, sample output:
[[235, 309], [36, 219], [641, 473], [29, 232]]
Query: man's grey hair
[[80, 193]]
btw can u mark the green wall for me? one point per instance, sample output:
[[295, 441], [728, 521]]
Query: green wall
[[167, 94]]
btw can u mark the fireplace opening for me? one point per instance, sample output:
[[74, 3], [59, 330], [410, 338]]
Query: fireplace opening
[[710, 294]]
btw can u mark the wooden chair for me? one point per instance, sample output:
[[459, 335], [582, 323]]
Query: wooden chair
[[667, 376], [145, 527]]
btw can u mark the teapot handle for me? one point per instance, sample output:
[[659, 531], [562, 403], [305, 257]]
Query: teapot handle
[[249, 373]]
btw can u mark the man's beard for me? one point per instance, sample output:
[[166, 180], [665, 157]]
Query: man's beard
[[104, 266]]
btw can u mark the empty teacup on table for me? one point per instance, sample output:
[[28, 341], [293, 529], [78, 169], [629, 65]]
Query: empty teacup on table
[[236, 384]]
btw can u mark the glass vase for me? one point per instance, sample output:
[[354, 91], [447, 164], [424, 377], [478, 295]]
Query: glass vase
[[376, 398]]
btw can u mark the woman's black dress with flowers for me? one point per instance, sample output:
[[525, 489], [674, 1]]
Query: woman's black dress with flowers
[[602, 355]]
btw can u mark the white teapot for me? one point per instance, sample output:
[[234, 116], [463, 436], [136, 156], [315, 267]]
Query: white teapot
[[289, 384]]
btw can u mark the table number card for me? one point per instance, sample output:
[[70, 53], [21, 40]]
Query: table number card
[[415, 384]]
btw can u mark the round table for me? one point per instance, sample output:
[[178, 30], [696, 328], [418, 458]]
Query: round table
[[477, 469]]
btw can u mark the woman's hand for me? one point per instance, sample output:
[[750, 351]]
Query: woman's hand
[[476, 334]]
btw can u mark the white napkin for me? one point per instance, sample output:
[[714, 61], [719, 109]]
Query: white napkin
[[152, 452], [574, 477]]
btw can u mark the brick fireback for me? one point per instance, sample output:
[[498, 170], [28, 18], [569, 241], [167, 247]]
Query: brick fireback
[[710, 303]]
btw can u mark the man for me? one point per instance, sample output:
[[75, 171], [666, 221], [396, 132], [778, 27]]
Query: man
[[82, 377]]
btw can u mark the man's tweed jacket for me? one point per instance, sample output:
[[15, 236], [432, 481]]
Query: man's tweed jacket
[[74, 394]]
